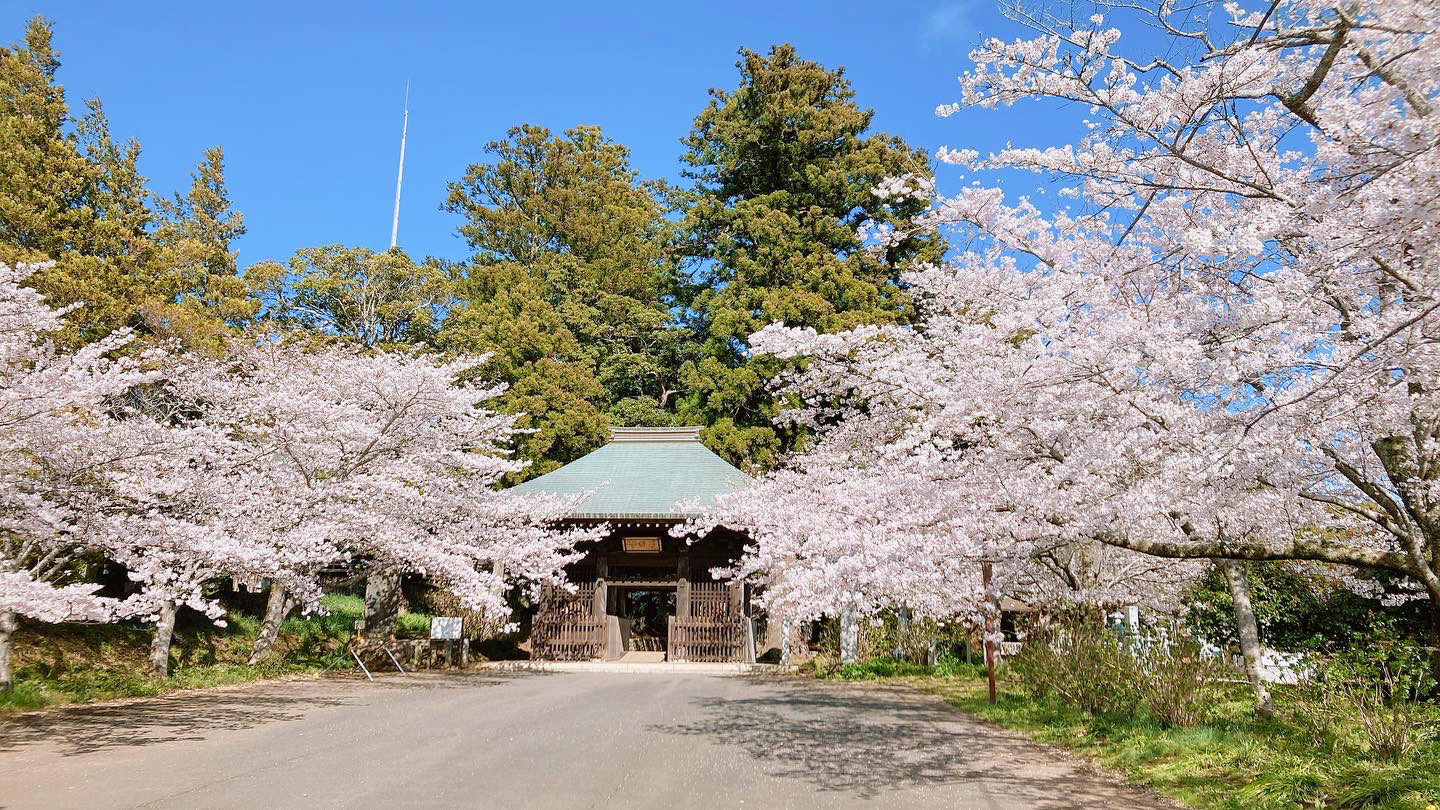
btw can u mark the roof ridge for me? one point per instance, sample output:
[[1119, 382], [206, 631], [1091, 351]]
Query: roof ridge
[[655, 434]]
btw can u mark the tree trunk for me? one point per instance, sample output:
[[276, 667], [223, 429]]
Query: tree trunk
[[382, 601], [276, 609], [849, 636], [1435, 643], [7, 626], [160, 641], [1249, 632]]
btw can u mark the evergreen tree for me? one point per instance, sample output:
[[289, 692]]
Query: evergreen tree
[[199, 228], [784, 172], [571, 285], [71, 195], [45, 180]]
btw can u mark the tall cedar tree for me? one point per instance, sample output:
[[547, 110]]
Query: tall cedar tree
[[199, 227], [72, 195], [783, 174], [571, 286]]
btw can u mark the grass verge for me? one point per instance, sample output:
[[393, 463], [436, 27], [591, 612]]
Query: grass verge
[[65, 664], [1231, 761]]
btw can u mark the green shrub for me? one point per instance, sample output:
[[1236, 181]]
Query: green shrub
[[1377, 691], [950, 665], [1082, 665], [1173, 679], [1089, 667], [882, 668], [26, 695]]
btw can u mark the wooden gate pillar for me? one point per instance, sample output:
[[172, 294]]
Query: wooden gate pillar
[[682, 599]]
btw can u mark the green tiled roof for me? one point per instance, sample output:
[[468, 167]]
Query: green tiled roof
[[643, 473]]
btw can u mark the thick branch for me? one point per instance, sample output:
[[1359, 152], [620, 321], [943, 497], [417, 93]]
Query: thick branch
[[1340, 554]]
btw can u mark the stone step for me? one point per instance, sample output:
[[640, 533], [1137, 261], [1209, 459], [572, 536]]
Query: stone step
[[643, 657]]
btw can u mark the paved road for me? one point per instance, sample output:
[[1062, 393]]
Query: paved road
[[538, 740]]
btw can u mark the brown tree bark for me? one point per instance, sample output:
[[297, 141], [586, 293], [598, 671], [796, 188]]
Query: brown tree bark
[[276, 609], [160, 640], [382, 601], [1249, 632], [7, 626]]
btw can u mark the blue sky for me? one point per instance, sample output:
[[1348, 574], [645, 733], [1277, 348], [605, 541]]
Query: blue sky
[[306, 97]]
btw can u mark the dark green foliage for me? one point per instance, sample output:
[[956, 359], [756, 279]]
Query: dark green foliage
[[783, 169], [1303, 609], [570, 285]]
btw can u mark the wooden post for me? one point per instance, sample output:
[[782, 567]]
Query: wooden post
[[989, 630], [682, 599]]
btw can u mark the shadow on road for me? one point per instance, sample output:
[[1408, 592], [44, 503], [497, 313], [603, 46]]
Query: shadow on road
[[868, 741], [193, 716]]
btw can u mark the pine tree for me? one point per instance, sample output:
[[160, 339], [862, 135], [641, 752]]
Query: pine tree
[[45, 180], [784, 172]]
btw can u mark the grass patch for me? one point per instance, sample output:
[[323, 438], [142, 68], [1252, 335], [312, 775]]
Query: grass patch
[[72, 663], [1230, 761], [822, 666]]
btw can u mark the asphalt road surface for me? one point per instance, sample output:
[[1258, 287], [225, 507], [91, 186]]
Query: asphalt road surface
[[538, 740]]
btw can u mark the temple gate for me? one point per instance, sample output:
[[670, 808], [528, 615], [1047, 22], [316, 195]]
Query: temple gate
[[639, 592]]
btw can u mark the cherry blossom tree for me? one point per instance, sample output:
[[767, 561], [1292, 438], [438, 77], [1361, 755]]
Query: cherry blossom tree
[[1220, 344], [272, 463], [76, 479], [1253, 276], [345, 455]]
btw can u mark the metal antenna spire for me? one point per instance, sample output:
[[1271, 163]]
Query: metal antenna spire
[[405, 125]]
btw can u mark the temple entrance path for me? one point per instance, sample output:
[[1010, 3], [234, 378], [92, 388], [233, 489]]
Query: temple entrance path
[[539, 740]]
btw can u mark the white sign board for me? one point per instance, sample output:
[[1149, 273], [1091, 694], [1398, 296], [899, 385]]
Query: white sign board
[[445, 627]]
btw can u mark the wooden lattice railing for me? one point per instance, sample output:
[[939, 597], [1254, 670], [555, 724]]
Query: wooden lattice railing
[[698, 639], [565, 627], [713, 602]]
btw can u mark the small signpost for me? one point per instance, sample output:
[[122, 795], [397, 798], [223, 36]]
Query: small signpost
[[446, 628], [449, 631]]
